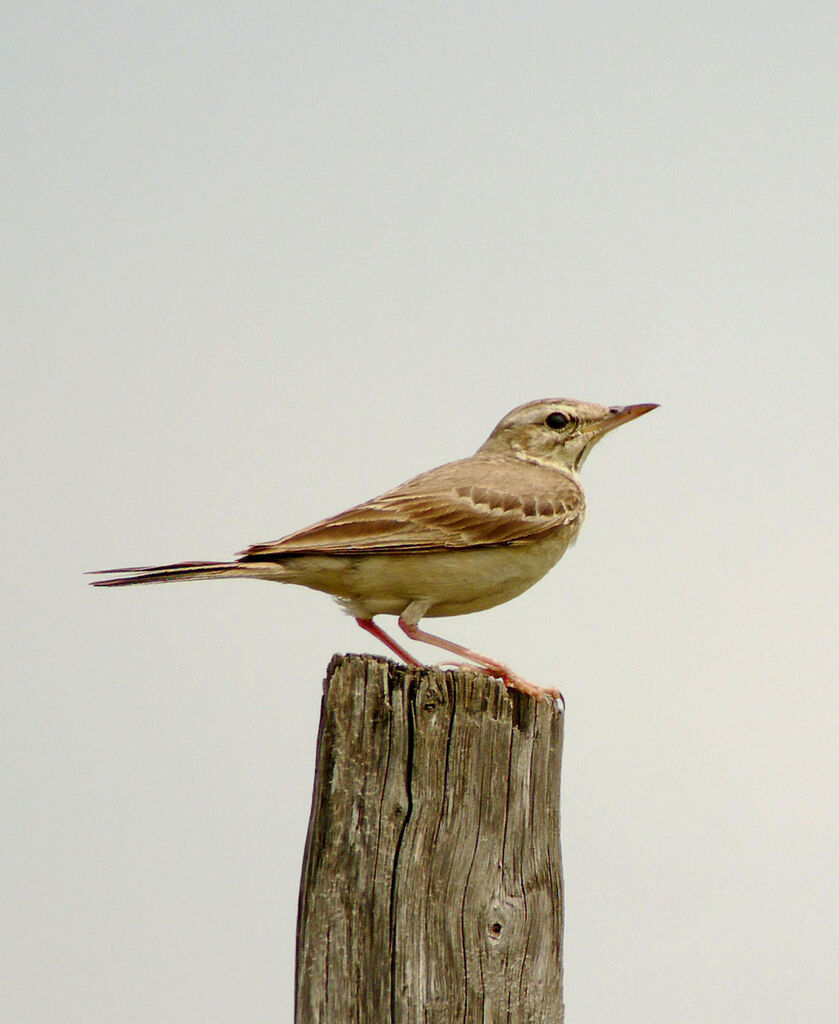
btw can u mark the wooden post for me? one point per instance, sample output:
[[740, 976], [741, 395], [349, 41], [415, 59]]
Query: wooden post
[[432, 880]]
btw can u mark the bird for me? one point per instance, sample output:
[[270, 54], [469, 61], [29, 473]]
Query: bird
[[460, 538]]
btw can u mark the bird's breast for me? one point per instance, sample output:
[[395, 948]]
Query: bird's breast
[[450, 582]]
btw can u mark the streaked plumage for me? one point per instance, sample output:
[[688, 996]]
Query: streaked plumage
[[460, 538]]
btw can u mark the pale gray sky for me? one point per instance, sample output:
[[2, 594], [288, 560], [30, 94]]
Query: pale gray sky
[[263, 261]]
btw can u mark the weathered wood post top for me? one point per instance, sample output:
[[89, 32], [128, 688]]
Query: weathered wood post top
[[432, 877]]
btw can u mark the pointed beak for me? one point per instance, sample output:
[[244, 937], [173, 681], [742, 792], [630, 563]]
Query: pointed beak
[[620, 414]]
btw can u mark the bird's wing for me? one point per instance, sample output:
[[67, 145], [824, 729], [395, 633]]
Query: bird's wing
[[476, 502]]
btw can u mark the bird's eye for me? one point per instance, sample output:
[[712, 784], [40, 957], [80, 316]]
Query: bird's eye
[[557, 421]]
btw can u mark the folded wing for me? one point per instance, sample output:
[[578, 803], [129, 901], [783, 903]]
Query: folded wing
[[473, 503]]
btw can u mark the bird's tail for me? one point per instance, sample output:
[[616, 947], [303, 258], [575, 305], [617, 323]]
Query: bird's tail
[[180, 571]]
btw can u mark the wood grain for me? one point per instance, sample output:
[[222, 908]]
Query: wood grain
[[432, 878]]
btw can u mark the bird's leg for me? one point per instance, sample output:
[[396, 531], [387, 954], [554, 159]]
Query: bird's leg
[[379, 634], [496, 668]]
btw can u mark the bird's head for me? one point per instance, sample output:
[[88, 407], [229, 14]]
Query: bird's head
[[557, 431]]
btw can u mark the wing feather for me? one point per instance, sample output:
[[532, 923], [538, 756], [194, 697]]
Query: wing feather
[[476, 502]]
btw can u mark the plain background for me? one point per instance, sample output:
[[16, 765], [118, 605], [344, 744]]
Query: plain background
[[264, 260]]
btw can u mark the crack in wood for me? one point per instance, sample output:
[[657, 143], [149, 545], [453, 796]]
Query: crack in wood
[[431, 890]]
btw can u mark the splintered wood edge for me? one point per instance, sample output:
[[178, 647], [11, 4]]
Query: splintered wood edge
[[403, 677]]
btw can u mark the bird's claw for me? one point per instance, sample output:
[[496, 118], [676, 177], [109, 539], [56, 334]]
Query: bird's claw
[[509, 678]]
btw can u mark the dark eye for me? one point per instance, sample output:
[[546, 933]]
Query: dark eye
[[557, 421]]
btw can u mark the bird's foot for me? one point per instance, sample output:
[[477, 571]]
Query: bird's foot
[[509, 678], [515, 682], [489, 666]]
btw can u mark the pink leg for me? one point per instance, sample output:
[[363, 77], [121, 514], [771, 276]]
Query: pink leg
[[496, 668], [380, 634]]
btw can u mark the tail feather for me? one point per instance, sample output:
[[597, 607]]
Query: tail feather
[[168, 573], [155, 568]]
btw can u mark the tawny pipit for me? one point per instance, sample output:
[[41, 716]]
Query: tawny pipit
[[460, 538]]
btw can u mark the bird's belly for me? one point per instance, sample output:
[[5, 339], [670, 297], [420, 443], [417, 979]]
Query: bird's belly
[[449, 582]]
